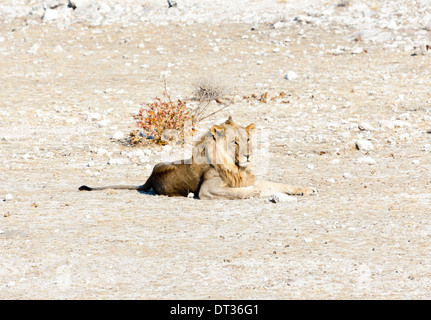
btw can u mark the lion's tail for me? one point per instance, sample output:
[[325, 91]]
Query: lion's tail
[[145, 187]]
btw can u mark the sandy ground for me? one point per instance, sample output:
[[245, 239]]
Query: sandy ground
[[64, 93]]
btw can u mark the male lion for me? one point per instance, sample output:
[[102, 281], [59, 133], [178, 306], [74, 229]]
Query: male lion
[[220, 168]]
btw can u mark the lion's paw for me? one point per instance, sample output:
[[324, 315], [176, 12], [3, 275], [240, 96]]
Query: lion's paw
[[310, 191]]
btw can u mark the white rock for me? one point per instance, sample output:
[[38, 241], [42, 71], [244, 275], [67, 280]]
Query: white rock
[[104, 8], [27, 156], [330, 180], [280, 24], [426, 147], [51, 4], [191, 195], [338, 50], [118, 161], [308, 240], [386, 124], [281, 197], [104, 123], [101, 151], [291, 75], [402, 124], [94, 116], [364, 145], [366, 160], [347, 175], [80, 3], [391, 124], [50, 15], [375, 35], [365, 126], [357, 50], [118, 135], [137, 153]]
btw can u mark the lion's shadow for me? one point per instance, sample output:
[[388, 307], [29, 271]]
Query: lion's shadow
[[148, 193], [152, 193]]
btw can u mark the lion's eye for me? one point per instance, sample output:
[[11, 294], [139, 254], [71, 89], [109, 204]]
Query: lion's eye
[[235, 142]]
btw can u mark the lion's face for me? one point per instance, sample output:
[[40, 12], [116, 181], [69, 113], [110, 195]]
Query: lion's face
[[232, 144], [228, 148]]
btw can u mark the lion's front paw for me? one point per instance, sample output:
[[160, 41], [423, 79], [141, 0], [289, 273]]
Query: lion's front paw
[[309, 191], [252, 192]]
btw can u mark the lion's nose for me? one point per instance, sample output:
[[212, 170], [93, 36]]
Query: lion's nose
[[247, 156]]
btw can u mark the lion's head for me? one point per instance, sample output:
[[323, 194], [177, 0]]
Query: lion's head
[[228, 147]]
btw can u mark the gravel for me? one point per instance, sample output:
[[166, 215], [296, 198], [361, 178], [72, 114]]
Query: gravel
[[73, 73]]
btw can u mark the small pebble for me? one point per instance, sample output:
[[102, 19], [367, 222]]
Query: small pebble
[[104, 123], [357, 50], [94, 116], [365, 126], [364, 145], [101, 151], [280, 24], [118, 135], [366, 160], [291, 75], [118, 161]]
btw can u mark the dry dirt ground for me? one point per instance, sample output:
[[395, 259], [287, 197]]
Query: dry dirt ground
[[64, 93]]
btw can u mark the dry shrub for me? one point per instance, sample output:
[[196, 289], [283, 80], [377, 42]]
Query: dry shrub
[[207, 90], [161, 122]]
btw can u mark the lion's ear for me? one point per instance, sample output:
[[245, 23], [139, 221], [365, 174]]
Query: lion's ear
[[217, 130], [250, 128]]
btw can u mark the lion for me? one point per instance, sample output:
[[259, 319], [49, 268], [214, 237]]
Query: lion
[[220, 168]]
